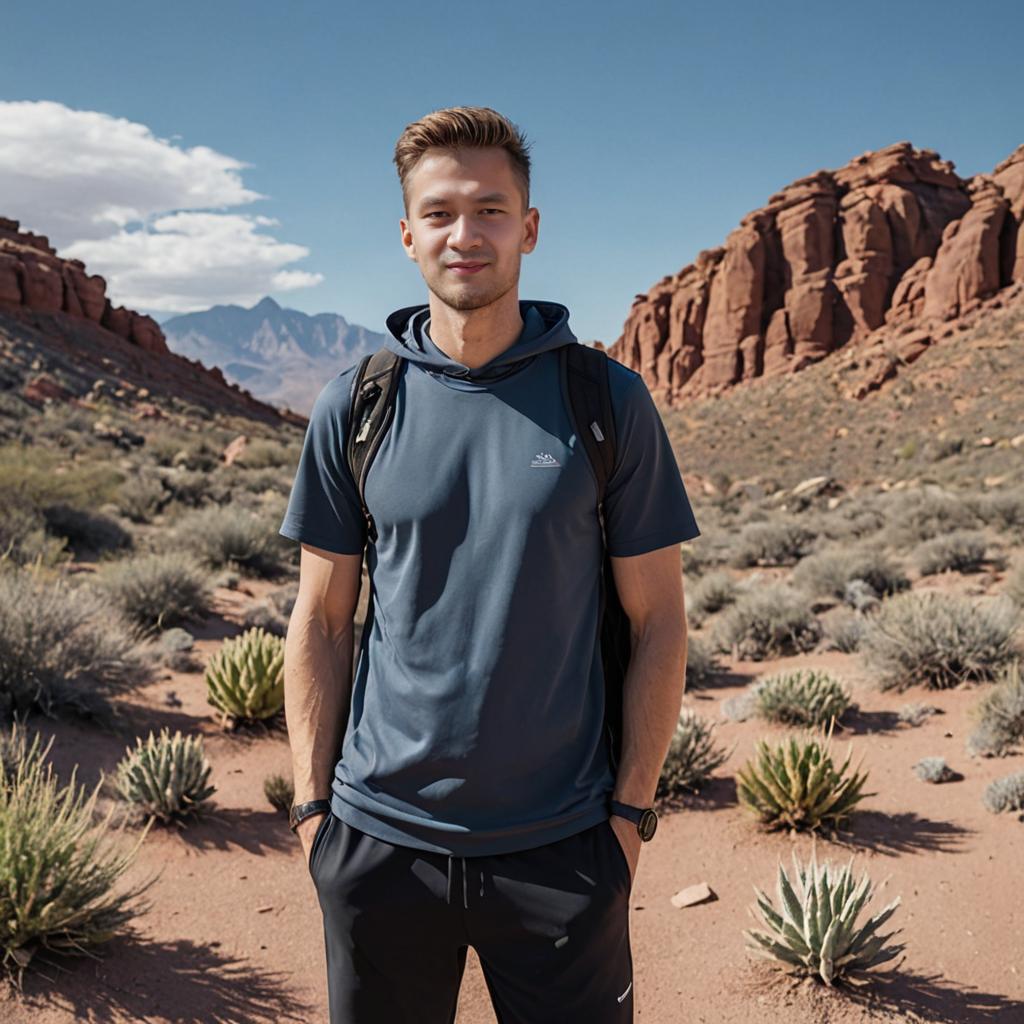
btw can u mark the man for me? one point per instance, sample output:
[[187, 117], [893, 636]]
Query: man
[[465, 771]]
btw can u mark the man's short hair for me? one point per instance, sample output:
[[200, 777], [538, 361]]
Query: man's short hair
[[462, 127]]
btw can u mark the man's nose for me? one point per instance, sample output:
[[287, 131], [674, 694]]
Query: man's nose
[[463, 233]]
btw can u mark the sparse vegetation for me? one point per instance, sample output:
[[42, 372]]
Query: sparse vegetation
[[794, 784], [221, 536], [803, 697], [844, 630], [938, 640], [692, 755], [701, 663], [165, 777], [772, 542], [62, 647], [934, 769], [279, 791], [59, 870], [814, 931], [770, 621], [245, 678], [959, 551], [828, 573], [1000, 716], [1005, 794], [712, 593], [916, 713]]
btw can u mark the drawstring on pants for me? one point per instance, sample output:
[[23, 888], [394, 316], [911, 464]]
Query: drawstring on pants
[[465, 894]]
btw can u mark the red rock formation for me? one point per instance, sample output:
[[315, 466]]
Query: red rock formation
[[33, 276], [68, 312], [894, 241]]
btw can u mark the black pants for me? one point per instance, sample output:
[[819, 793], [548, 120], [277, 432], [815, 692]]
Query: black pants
[[550, 926]]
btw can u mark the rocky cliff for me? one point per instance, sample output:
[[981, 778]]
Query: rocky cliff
[[59, 329], [885, 254]]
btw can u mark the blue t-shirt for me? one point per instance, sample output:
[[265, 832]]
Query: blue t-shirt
[[476, 723]]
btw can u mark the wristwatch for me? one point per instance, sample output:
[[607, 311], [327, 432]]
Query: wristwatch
[[645, 818], [299, 812]]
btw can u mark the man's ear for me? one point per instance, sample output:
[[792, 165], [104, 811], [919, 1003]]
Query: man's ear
[[410, 246]]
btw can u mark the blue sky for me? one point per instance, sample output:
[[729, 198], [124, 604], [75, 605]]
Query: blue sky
[[654, 126]]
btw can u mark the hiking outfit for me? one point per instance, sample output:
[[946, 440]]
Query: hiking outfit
[[470, 800]]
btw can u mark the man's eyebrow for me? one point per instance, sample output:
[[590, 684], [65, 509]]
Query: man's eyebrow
[[491, 197]]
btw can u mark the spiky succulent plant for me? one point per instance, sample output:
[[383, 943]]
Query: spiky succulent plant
[[814, 930], [795, 784], [802, 697], [692, 755], [165, 777], [245, 678]]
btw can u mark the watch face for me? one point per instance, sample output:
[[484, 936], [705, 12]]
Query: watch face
[[648, 824]]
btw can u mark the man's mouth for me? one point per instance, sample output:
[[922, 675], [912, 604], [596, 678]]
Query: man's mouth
[[466, 268]]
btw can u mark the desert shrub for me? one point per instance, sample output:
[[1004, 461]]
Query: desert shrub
[[795, 784], [23, 536], [222, 536], [815, 932], [263, 615], [86, 531], [62, 647], [769, 621], [264, 453], [692, 755], [1002, 510], [959, 551], [245, 677], [701, 663], [157, 590], [282, 599], [711, 594], [60, 874], [1014, 588], [1000, 715], [16, 749], [165, 777], [1005, 794], [279, 791], [193, 488], [853, 519], [141, 497], [803, 697], [919, 515], [938, 639], [934, 769], [828, 573], [843, 630], [39, 478], [773, 542], [915, 713]]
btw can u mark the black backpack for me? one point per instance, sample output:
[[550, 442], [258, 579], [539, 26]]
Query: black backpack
[[585, 387]]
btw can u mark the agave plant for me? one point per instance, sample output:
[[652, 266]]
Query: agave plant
[[165, 777], [795, 784], [815, 932], [803, 697], [245, 678]]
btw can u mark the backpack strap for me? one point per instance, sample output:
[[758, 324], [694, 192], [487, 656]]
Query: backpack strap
[[587, 392], [370, 412]]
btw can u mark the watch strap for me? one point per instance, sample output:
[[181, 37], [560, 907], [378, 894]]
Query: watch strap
[[299, 812], [633, 814]]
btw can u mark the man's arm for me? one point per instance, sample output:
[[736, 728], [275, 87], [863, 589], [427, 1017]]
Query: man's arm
[[650, 587], [318, 667]]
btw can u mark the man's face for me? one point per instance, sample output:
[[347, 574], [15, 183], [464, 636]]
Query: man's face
[[466, 207]]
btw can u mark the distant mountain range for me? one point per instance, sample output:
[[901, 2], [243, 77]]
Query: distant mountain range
[[281, 355]]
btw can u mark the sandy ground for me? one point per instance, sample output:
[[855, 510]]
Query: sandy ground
[[234, 931]]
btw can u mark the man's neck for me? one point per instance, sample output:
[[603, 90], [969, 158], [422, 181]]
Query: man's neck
[[474, 337]]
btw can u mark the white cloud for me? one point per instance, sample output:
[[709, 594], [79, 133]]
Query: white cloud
[[139, 209]]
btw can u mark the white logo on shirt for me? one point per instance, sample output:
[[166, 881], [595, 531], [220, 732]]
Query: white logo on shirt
[[544, 459], [624, 994]]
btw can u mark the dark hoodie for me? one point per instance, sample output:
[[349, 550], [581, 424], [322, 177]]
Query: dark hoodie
[[478, 698]]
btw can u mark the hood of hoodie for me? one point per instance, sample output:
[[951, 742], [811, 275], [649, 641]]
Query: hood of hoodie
[[545, 327]]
